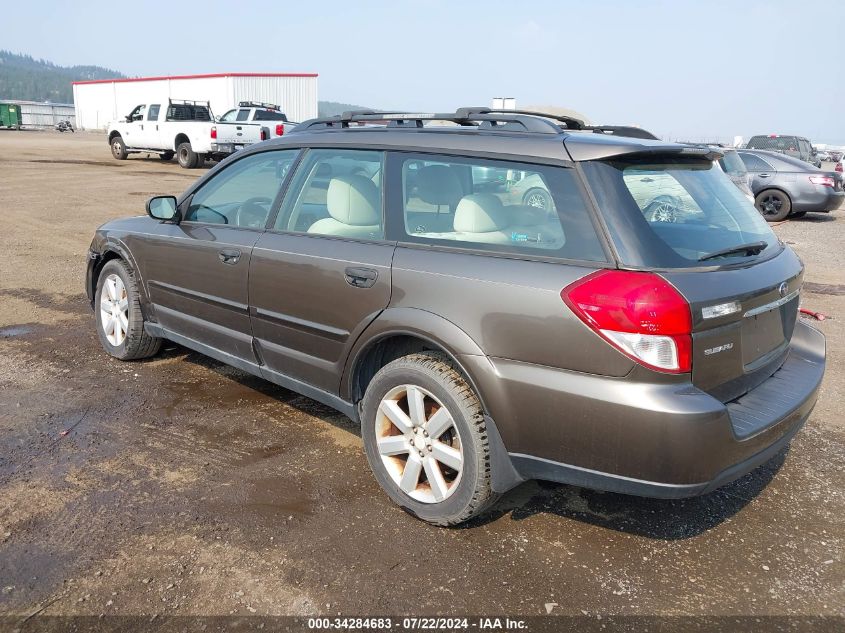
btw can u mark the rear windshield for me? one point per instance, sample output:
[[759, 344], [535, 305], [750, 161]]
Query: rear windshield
[[677, 214]]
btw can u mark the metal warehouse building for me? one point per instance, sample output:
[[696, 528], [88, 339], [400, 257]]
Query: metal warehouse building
[[43, 114], [100, 102]]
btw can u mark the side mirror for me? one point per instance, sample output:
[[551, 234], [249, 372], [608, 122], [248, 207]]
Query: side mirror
[[128, 118], [163, 208]]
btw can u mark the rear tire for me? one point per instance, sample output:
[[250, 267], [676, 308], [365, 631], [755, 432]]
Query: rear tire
[[117, 312], [773, 205], [405, 457], [187, 157], [118, 148]]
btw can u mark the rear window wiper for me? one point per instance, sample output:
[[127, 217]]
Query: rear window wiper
[[752, 248]]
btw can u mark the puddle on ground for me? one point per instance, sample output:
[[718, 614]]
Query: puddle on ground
[[15, 330], [276, 497]]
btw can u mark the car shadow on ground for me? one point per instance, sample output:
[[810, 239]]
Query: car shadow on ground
[[651, 518], [661, 519], [815, 218]]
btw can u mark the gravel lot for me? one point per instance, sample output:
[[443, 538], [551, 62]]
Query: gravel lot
[[182, 486]]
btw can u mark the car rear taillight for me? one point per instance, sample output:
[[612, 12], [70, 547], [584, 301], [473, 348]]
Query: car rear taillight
[[280, 129], [264, 134], [640, 314], [838, 168], [826, 181], [213, 131]]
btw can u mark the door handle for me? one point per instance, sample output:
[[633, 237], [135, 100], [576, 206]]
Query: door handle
[[229, 256], [764, 175], [360, 277]]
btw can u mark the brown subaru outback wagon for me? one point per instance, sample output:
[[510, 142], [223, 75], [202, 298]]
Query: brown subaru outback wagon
[[494, 296]]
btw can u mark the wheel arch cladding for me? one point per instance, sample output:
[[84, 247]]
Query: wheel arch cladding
[[117, 250]]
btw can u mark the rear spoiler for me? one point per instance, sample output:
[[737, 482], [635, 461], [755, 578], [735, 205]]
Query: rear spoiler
[[603, 147]]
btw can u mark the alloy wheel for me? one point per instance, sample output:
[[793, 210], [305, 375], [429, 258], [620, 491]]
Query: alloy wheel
[[419, 444], [114, 310]]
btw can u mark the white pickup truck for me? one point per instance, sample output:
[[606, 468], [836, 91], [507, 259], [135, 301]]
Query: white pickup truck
[[242, 122], [185, 129]]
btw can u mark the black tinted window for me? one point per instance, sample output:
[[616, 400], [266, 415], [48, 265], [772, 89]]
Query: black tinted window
[[496, 206], [243, 115], [269, 115]]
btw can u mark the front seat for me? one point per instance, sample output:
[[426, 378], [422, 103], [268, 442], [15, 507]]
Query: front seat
[[354, 204]]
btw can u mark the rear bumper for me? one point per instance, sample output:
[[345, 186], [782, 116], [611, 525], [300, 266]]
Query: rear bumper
[[822, 199], [657, 440], [227, 148]]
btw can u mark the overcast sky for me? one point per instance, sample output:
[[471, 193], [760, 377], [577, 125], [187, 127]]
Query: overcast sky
[[707, 69]]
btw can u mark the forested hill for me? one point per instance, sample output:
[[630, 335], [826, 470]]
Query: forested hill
[[24, 77]]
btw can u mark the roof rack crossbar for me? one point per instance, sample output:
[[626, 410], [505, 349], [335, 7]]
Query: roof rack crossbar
[[258, 104]]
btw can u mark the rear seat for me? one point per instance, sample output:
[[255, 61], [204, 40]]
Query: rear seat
[[482, 218]]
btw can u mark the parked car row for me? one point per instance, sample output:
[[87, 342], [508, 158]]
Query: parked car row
[[189, 130]]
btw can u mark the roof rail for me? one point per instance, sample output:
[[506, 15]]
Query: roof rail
[[480, 118], [572, 123]]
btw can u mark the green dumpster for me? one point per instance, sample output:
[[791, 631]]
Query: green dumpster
[[10, 115]]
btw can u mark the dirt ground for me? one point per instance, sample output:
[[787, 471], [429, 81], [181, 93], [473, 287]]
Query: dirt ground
[[182, 486]]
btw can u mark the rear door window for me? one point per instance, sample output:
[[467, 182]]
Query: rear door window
[[494, 206], [754, 163]]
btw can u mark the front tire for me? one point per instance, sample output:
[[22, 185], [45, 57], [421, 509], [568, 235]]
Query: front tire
[[118, 148], [426, 440], [117, 310], [188, 158], [773, 205]]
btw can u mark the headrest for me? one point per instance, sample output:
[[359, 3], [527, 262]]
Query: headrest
[[354, 200], [480, 213], [439, 184]]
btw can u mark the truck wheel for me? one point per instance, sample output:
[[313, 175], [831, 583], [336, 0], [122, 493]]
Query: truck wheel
[[774, 205], [166, 156], [117, 309], [118, 148], [426, 440], [187, 157]]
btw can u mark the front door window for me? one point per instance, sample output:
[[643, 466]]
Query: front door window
[[243, 193]]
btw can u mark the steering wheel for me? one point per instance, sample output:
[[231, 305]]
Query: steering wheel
[[195, 208], [663, 208], [252, 214]]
